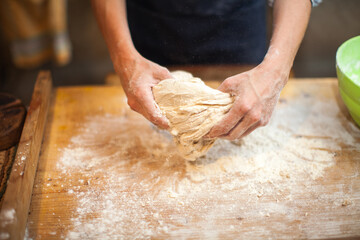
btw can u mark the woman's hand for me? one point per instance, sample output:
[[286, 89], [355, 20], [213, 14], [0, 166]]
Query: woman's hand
[[256, 94], [257, 91], [138, 76]]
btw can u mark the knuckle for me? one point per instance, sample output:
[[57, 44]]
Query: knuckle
[[164, 71], [222, 129], [219, 132], [137, 93], [132, 89], [214, 132], [132, 104], [255, 116], [244, 108], [153, 119], [161, 73]]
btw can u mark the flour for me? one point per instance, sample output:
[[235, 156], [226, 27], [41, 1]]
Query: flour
[[285, 146], [7, 217], [139, 187]]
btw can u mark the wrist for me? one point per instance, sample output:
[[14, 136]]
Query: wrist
[[278, 63], [278, 59], [122, 56], [125, 61]]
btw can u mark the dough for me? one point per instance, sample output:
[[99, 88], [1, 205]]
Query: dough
[[192, 109]]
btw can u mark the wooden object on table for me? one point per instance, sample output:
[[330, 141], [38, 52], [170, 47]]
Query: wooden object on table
[[17, 197], [69, 203], [12, 115], [6, 160]]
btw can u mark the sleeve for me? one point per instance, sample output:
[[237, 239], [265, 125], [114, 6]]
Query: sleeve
[[314, 3]]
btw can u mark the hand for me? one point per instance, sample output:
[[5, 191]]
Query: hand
[[138, 76], [256, 94]]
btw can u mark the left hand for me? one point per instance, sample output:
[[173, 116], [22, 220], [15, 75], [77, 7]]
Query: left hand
[[256, 94]]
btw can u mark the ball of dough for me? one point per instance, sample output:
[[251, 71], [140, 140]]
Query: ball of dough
[[192, 109]]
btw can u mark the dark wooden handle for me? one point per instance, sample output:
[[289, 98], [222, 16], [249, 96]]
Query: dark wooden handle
[[12, 116]]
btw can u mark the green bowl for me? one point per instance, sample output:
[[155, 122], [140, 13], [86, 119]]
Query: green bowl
[[348, 73]]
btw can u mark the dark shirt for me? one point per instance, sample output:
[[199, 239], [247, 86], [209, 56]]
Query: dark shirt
[[172, 32]]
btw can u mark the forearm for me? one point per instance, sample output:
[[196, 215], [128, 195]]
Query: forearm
[[137, 74], [111, 17], [290, 21]]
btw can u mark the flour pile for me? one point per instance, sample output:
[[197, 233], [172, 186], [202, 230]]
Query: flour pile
[[192, 109]]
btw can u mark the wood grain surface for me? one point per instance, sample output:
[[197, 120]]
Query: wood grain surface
[[16, 200], [105, 173]]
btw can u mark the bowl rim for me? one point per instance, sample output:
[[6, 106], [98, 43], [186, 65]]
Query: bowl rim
[[343, 45]]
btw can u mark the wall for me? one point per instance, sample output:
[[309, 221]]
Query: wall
[[331, 23]]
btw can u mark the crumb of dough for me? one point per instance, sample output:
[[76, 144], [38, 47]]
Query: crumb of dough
[[346, 202]]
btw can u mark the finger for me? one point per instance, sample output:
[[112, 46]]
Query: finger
[[230, 84], [225, 85], [151, 110], [162, 73], [155, 117], [263, 122], [134, 105], [250, 130], [224, 126], [251, 119], [229, 121]]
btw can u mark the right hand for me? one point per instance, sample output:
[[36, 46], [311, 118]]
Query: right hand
[[138, 76]]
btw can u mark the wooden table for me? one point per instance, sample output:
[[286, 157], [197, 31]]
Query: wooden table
[[105, 173]]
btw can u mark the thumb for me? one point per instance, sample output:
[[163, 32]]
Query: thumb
[[163, 73], [152, 111], [225, 85], [230, 83]]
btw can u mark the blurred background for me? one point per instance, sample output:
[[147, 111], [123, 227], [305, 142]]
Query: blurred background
[[331, 23]]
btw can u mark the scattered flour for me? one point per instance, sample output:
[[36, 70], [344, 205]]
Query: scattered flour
[[7, 217], [134, 185], [4, 235]]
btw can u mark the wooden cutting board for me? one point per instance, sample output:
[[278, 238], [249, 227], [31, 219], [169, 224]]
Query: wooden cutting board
[[12, 115], [105, 173], [15, 201]]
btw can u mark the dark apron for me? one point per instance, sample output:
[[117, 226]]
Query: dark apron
[[171, 32]]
